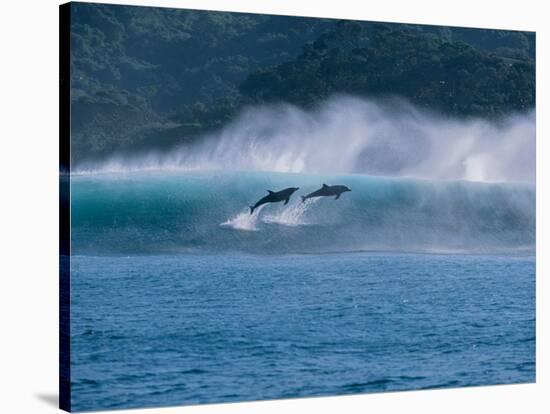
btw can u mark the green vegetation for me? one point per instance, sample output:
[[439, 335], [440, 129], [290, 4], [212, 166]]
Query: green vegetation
[[152, 78], [381, 59]]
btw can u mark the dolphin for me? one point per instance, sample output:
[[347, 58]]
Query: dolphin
[[327, 191], [275, 197]]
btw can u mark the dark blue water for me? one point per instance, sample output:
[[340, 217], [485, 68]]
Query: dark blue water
[[199, 328]]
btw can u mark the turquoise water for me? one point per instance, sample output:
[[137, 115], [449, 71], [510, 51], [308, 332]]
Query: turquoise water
[[159, 213], [178, 297]]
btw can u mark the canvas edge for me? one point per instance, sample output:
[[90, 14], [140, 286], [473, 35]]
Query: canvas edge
[[64, 208]]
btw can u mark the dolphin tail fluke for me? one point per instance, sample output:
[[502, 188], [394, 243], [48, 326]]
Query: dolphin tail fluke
[[303, 199], [251, 209]]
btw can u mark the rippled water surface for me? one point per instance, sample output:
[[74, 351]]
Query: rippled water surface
[[189, 329]]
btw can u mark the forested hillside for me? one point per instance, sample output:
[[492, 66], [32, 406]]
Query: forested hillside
[[152, 77]]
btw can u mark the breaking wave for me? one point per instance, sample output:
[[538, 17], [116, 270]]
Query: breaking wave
[[157, 213], [347, 135]]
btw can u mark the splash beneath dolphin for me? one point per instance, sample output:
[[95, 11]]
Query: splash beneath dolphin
[[244, 220], [292, 216]]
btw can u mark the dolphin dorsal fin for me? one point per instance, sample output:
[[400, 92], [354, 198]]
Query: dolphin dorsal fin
[[324, 185], [270, 192]]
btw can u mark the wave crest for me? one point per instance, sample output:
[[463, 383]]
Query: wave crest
[[351, 135], [159, 213]]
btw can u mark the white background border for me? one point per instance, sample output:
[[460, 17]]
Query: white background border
[[29, 203]]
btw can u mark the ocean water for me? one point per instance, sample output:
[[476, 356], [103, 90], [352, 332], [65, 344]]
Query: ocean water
[[163, 213], [180, 297]]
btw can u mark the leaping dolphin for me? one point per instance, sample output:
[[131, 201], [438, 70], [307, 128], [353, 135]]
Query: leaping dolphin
[[327, 191], [275, 197]]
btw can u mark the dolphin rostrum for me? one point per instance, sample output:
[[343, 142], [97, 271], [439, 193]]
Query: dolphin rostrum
[[327, 191], [274, 197]]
